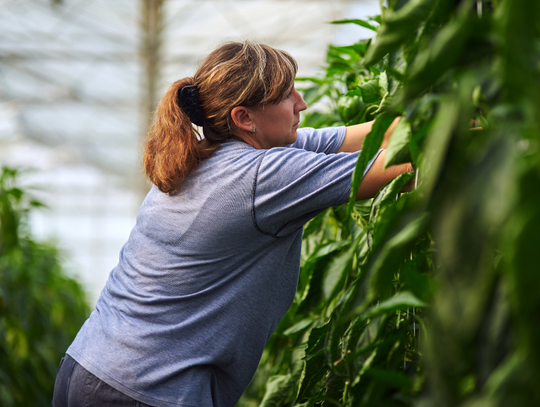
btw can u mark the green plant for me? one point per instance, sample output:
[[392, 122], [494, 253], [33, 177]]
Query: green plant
[[41, 310], [451, 265]]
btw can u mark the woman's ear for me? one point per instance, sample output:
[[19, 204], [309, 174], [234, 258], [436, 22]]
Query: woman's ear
[[242, 118]]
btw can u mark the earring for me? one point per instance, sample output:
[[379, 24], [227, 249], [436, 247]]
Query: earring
[[254, 131]]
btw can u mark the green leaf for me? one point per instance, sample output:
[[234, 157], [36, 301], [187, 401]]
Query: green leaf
[[387, 196], [392, 255], [416, 274], [315, 368], [316, 400], [314, 224], [349, 107], [378, 276], [453, 119], [354, 92], [279, 389], [298, 327], [399, 301], [442, 54], [370, 91], [342, 59], [432, 159], [397, 28], [398, 147], [328, 248], [356, 21], [311, 296], [337, 269], [524, 233], [370, 147], [390, 378], [385, 105], [383, 84], [397, 66], [417, 140], [334, 387], [316, 341]]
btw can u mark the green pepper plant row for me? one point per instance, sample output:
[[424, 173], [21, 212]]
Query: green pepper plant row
[[428, 298]]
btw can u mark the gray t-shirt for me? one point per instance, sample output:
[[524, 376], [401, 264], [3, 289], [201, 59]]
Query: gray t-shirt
[[208, 272]]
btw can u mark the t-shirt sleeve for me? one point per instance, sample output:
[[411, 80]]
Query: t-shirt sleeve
[[293, 185], [327, 140]]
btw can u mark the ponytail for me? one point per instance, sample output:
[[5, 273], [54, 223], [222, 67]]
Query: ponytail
[[173, 147]]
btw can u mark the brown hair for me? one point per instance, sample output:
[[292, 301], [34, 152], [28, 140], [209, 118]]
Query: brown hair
[[235, 74]]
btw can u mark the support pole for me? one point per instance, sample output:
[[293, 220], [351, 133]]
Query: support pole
[[151, 59]]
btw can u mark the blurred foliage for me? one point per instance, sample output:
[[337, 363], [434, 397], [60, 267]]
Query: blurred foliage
[[428, 298], [41, 310]]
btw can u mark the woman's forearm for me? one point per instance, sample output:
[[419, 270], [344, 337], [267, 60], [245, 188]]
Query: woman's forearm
[[355, 135], [377, 176]]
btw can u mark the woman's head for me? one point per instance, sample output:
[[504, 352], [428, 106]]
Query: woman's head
[[236, 74], [241, 74]]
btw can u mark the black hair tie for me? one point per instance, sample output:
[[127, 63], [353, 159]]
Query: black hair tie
[[188, 99]]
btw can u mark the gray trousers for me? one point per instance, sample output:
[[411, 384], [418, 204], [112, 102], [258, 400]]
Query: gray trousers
[[77, 387]]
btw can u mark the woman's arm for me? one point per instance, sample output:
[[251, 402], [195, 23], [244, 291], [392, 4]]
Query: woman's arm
[[377, 176], [355, 135]]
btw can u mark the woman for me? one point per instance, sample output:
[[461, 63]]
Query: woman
[[212, 264]]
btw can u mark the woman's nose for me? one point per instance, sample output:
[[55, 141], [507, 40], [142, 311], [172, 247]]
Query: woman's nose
[[301, 104]]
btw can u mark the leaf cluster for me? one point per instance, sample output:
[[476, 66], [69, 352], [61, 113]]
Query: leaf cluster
[[41, 310]]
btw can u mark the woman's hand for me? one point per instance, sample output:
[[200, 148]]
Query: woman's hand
[[377, 176]]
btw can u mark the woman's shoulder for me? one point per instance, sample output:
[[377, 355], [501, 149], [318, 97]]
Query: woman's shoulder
[[326, 140]]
